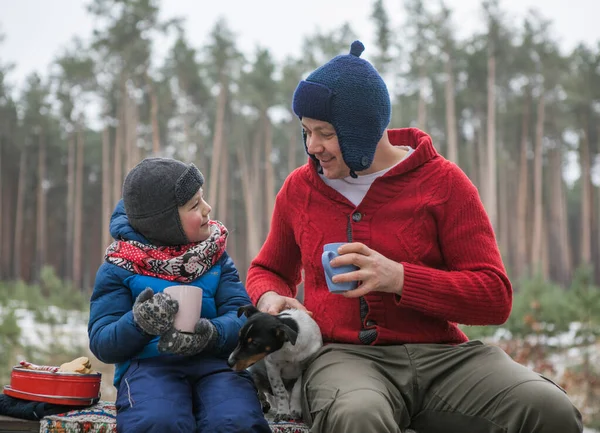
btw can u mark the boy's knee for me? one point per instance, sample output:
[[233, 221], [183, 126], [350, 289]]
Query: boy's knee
[[545, 408], [153, 420], [239, 419]]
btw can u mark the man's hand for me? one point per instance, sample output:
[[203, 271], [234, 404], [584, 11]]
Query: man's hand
[[273, 303], [376, 272]]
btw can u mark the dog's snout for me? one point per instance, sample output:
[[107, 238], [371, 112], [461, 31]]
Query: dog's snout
[[231, 360]]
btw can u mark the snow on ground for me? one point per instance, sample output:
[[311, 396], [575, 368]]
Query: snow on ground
[[66, 328], [73, 332]]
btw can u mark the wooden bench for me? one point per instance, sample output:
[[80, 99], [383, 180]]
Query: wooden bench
[[100, 418], [15, 425]]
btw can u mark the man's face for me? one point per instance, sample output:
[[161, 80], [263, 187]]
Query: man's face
[[194, 217], [322, 143]]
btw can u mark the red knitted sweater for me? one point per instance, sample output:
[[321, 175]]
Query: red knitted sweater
[[424, 213]]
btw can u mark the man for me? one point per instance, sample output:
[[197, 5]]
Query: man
[[427, 259]]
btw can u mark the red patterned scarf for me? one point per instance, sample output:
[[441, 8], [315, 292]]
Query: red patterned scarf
[[182, 263]]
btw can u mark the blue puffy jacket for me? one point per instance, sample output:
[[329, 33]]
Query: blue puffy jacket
[[114, 337]]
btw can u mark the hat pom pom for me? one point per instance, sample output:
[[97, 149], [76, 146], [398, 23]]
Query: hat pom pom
[[357, 48]]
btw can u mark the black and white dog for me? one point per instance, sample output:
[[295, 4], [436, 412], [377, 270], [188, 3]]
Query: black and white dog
[[276, 351]]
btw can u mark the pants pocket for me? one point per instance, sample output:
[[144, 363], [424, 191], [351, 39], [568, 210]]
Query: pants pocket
[[316, 399]]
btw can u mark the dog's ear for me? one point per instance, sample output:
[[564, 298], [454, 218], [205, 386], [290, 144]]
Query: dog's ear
[[248, 310], [287, 333]]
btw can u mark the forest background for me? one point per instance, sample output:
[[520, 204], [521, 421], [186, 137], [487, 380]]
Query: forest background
[[515, 110]]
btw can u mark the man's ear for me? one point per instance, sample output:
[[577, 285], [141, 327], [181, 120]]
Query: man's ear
[[287, 333], [248, 310]]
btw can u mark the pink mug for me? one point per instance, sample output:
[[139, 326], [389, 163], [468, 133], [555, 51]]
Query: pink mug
[[190, 306]]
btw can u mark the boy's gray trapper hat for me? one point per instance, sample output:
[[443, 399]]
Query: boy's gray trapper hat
[[152, 192]]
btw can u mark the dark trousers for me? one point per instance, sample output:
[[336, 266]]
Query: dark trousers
[[174, 394], [431, 388]]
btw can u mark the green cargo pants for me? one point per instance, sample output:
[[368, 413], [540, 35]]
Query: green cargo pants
[[431, 388]]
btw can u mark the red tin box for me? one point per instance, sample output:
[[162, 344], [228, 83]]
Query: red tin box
[[72, 389]]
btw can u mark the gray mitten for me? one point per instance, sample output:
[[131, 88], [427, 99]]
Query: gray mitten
[[183, 343], [154, 313]]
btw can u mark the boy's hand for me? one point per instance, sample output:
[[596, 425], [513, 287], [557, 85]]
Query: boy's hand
[[182, 343], [154, 313]]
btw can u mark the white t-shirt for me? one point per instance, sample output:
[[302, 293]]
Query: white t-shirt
[[356, 189]]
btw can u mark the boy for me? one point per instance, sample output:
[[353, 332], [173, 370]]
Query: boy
[[169, 381]]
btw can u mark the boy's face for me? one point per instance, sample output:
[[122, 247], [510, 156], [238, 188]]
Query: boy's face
[[194, 217], [322, 143]]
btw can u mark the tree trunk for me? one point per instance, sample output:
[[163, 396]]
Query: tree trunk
[[127, 147], [106, 187], [482, 173], [472, 153], [422, 109], [119, 143], [3, 196], [522, 256], [257, 182], [9, 187], [294, 131], [132, 120], [508, 211], [218, 138], [561, 263], [28, 255], [41, 232], [597, 261], [538, 207], [270, 172], [504, 214], [452, 151], [78, 207], [68, 270], [3, 206], [222, 204], [597, 223], [586, 198], [544, 251], [20, 215], [153, 115], [491, 199], [250, 204], [187, 135], [92, 240]]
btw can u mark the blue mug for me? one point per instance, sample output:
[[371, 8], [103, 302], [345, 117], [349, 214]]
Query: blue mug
[[329, 253]]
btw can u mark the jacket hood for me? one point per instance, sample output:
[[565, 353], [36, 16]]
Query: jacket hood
[[120, 229]]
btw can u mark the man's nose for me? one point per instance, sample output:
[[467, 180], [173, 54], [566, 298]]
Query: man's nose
[[314, 145]]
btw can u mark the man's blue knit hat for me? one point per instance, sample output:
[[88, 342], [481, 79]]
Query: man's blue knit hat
[[349, 93]]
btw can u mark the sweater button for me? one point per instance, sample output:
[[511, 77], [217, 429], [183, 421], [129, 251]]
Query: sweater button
[[356, 217]]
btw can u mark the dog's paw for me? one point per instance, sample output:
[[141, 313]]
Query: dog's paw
[[296, 415], [266, 407], [280, 417]]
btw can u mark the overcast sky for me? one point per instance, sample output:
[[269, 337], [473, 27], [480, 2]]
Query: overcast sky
[[36, 30]]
